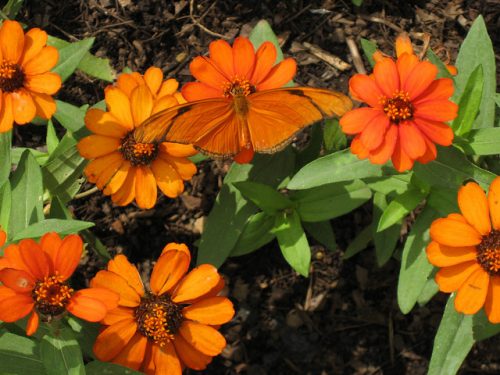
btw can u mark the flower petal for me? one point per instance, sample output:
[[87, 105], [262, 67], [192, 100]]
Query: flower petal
[[97, 167], [437, 132], [45, 105], [163, 103], [439, 89], [366, 90], [197, 282], [6, 114], [104, 123], [23, 107], [205, 71], [153, 78], [127, 82], [183, 166], [279, 75], [357, 148], [167, 178], [42, 62], [492, 303], [356, 121], [383, 153], [193, 91], [141, 102], [15, 307], [202, 337], [400, 159], [107, 297], [166, 360], [419, 79], [445, 256], [50, 243], [93, 146], [126, 193], [118, 179], [494, 202], [452, 278], [168, 87], [47, 83], [451, 232], [11, 40], [119, 106], [472, 294], [243, 57], [32, 323], [86, 308], [34, 41], [474, 206], [177, 149], [221, 54], [411, 139], [133, 353], [68, 256], [403, 45], [374, 133], [121, 266], [13, 257], [193, 358], [171, 266], [36, 260], [113, 339], [265, 59], [430, 153], [110, 280], [436, 110], [117, 315], [386, 76], [212, 311], [18, 280], [145, 187], [406, 63]]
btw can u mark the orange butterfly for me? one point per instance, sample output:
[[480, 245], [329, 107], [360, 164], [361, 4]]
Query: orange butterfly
[[239, 106]]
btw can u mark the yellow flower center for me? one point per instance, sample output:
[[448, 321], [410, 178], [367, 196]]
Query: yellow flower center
[[138, 153], [158, 318], [488, 253], [11, 76], [51, 295], [398, 108], [238, 87]]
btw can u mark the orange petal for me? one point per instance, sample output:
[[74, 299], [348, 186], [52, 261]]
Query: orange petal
[[472, 294], [168, 87], [193, 91], [32, 323], [3, 237], [167, 178], [119, 106], [121, 266], [430, 152], [36, 260], [108, 173], [474, 206], [454, 233], [13, 256], [357, 148], [451, 278], [197, 283], [403, 44], [436, 110], [383, 153], [101, 165], [104, 123], [437, 132], [193, 358], [6, 115], [221, 54], [47, 83], [117, 315], [177, 149], [15, 307], [11, 40], [42, 62], [148, 366], [113, 339], [355, 121], [17, 280], [6, 292], [406, 64], [494, 202], [118, 179], [411, 139], [126, 193], [68, 256], [145, 187], [386, 76], [166, 360], [492, 303], [205, 71], [170, 268], [374, 132], [279, 75], [86, 308], [141, 102], [45, 105], [243, 57], [183, 166], [202, 337], [439, 89], [419, 79], [34, 41], [265, 58], [153, 78], [445, 256], [50, 243], [366, 90], [400, 159], [93, 146], [107, 297], [212, 311], [133, 353], [110, 280], [163, 103], [23, 107], [128, 82]]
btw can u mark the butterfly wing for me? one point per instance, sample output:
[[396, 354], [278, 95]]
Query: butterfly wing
[[275, 116]]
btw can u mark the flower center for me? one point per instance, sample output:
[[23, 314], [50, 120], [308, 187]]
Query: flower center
[[51, 295], [158, 318], [488, 253], [238, 87], [138, 153], [11, 76], [398, 108]]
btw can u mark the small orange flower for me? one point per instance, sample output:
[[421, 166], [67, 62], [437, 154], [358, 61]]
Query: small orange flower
[[26, 83], [172, 326], [406, 113], [466, 247], [239, 67], [120, 166], [35, 280]]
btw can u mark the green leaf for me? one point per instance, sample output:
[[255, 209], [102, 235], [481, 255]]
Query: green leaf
[[104, 368], [19, 355], [12, 8], [360, 242], [5, 155], [482, 328], [453, 341], [70, 57], [61, 353], [61, 226], [385, 240], [358, 3], [443, 71], [70, 116], [481, 142], [256, 233], [477, 49], [16, 153], [330, 201], [313, 148], [430, 290], [85, 333], [388, 184], [27, 194], [415, 268], [262, 32], [399, 207], [369, 49], [51, 140], [263, 196], [5, 205], [323, 233], [62, 173], [451, 169], [334, 138], [293, 241], [336, 167], [443, 200], [468, 105]]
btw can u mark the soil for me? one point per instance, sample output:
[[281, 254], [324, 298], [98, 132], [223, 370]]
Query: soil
[[344, 319]]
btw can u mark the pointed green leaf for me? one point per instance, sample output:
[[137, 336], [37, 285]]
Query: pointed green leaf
[[5, 205], [333, 136], [483, 329], [442, 69], [61, 353], [384, 240], [106, 368], [430, 290], [70, 116], [399, 207], [256, 233], [323, 233], [388, 184], [19, 355], [70, 57], [369, 49], [61, 226], [5, 155], [360, 242], [263, 196], [443, 200], [481, 142], [468, 105], [51, 139], [262, 32]]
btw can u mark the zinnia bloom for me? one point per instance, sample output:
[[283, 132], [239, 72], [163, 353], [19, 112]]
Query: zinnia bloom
[[406, 113], [239, 66], [122, 167], [466, 247], [35, 281], [172, 325], [26, 83]]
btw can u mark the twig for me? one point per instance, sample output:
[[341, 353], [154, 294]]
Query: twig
[[384, 22], [87, 193], [208, 31], [356, 57], [327, 57]]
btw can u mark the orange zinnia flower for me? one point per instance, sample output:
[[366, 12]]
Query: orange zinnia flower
[[237, 66], [123, 168], [26, 83], [35, 280], [406, 113], [169, 327], [467, 248]]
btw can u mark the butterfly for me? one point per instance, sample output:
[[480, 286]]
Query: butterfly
[[263, 121]]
